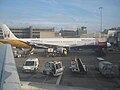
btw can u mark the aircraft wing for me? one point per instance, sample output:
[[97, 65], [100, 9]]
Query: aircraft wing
[[42, 45], [9, 79]]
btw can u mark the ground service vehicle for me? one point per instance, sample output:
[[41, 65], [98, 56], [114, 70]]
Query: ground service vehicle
[[31, 65], [16, 54], [78, 66], [56, 52], [99, 59], [107, 69], [61, 51], [53, 68]]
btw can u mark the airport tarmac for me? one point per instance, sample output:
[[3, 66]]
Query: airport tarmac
[[93, 79]]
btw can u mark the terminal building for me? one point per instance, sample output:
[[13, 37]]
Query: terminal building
[[73, 33], [32, 32], [81, 31]]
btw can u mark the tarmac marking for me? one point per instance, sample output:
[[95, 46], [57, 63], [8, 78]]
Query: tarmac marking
[[31, 76], [98, 84], [45, 79], [117, 81], [59, 79]]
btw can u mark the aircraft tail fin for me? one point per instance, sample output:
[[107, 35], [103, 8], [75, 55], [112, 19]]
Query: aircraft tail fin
[[7, 34]]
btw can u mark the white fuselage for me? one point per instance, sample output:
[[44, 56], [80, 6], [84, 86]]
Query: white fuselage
[[65, 42]]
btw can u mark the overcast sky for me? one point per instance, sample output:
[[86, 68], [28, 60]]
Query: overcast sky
[[68, 14]]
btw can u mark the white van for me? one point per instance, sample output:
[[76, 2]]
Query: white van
[[53, 68], [31, 65]]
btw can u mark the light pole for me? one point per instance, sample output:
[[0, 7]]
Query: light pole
[[100, 8]]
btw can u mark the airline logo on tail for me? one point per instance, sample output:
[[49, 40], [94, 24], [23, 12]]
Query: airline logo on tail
[[6, 34]]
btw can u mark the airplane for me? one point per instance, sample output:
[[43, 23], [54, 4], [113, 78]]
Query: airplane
[[9, 37], [9, 78]]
